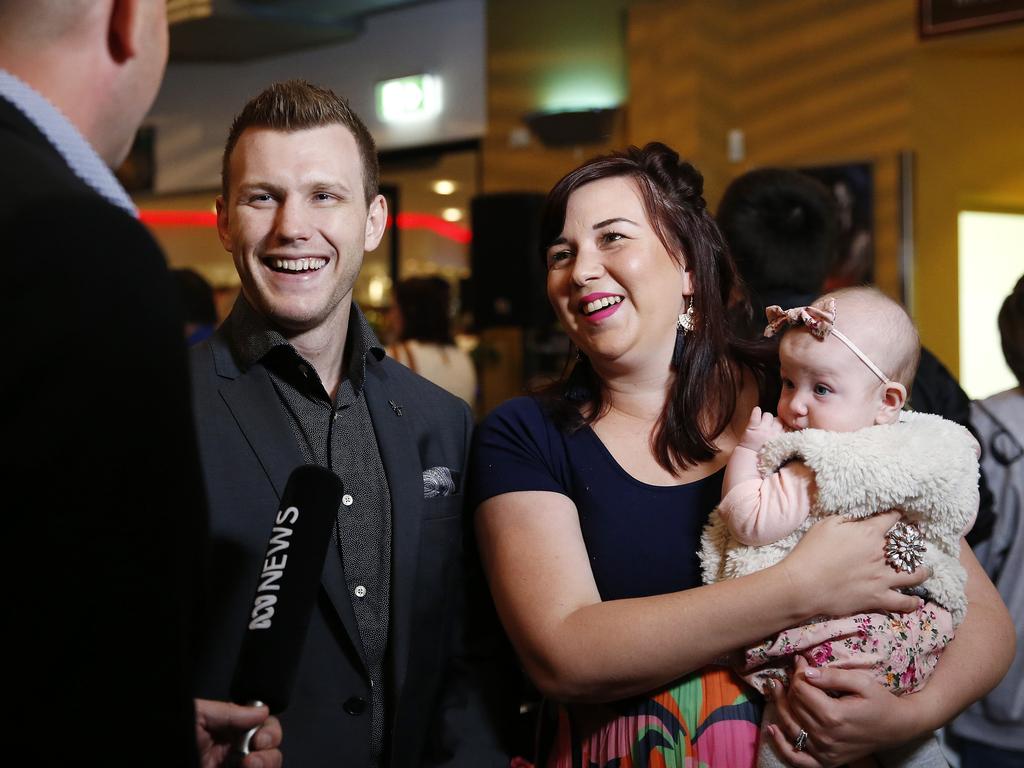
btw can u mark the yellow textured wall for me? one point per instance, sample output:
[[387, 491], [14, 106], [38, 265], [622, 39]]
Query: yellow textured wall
[[968, 136], [807, 82], [537, 52], [682, 87]]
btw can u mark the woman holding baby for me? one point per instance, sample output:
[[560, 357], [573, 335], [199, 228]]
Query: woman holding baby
[[592, 498]]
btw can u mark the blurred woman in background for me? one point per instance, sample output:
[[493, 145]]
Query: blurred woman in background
[[420, 320]]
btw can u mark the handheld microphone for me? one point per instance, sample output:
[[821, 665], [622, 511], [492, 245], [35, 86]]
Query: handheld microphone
[[287, 590]]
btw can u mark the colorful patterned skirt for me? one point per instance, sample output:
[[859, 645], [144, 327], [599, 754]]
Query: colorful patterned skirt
[[708, 719]]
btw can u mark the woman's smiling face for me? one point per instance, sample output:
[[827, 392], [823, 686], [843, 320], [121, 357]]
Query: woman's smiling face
[[615, 288]]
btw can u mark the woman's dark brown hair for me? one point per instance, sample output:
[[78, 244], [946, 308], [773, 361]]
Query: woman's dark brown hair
[[709, 372]]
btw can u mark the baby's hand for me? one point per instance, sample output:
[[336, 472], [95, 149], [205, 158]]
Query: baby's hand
[[761, 428]]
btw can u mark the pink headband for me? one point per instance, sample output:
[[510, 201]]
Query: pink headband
[[821, 323]]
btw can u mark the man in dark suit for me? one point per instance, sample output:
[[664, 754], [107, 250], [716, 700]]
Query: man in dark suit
[[296, 376], [103, 494]]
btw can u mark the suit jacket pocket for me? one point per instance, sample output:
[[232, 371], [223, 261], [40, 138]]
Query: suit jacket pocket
[[443, 507]]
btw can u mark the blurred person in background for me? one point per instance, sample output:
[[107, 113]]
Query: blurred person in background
[[991, 733], [782, 229], [106, 514], [421, 320], [198, 307]]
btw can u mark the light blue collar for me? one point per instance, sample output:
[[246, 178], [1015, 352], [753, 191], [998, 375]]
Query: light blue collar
[[77, 152]]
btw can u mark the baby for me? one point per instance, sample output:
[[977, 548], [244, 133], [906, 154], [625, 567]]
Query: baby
[[840, 444]]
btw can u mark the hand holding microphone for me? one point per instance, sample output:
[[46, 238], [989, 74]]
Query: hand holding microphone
[[219, 724], [286, 593]]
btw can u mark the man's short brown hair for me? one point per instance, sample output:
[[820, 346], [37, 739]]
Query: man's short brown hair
[[296, 105]]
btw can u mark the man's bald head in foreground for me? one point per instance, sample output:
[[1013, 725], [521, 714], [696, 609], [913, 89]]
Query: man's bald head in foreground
[[99, 61]]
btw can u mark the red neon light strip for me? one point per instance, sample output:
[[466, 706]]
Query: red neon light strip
[[178, 218], [406, 220], [437, 225]]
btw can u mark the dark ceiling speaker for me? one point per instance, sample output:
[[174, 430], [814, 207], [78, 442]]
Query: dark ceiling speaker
[[572, 127], [508, 271]]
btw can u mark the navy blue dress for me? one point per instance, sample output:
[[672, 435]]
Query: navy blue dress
[[642, 540]]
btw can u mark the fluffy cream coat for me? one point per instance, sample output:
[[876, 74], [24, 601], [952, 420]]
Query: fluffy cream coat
[[924, 466]]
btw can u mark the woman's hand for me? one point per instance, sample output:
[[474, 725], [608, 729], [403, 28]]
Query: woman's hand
[[863, 719], [866, 717], [838, 569]]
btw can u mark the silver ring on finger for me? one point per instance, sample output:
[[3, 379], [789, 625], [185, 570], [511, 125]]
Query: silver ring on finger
[[904, 547], [800, 742]]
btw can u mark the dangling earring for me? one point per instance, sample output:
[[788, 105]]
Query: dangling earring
[[684, 325], [686, 320]]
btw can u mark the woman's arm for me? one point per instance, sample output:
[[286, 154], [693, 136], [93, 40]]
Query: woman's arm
[[576, 647], [869, 718]]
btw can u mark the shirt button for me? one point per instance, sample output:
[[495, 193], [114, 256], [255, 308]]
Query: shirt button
[[360, 591], [347, 499], [355, 705]]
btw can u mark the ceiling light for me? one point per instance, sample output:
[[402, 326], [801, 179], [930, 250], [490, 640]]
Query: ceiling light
[[443, 186], [452, 214]]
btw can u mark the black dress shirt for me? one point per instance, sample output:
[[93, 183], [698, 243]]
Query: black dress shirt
[[340, 437]]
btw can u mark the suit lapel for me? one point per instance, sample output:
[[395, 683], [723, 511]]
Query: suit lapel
[[405, 483], [254, 403], [257, 410]]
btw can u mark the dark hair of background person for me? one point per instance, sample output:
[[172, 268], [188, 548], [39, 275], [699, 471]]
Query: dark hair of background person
[[783, 231], [297, 105], [195, 297], [710, 371], [424, 303], [1011, 330]]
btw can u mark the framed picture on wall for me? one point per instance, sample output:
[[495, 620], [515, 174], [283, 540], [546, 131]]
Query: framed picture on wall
[[852, 185], [943, 17]]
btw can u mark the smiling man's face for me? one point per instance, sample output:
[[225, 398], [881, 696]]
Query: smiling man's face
[[297, 223]]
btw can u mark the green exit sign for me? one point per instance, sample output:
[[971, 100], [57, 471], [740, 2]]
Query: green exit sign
[[409, 99]]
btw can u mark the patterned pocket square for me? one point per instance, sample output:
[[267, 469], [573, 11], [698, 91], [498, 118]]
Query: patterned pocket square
[[439, 481]]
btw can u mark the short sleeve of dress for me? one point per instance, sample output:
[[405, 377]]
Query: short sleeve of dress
[[517, 448]]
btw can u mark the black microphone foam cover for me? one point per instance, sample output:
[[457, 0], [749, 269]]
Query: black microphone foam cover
[[286, 592]]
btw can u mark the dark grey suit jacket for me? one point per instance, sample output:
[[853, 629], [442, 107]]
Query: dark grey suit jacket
[[438, 711]]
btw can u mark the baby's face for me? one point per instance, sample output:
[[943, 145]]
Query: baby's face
[[825, 386]]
